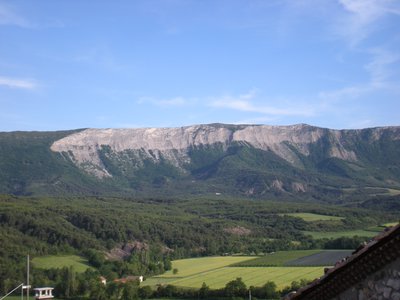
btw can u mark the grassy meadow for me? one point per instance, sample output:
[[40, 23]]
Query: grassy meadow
[[275, 259], [310, 217], [217, 271], [390, 224], [59, 261], [192, 266], [338, 234], [252, 276]]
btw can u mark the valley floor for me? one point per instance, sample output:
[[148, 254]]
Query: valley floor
[[282, 267]]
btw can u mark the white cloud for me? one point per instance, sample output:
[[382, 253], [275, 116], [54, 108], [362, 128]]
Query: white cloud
[[9, 17], [379, 67], [362, 14], [176, 101], [246, 103], [362, 124], [368, 11], [17, 83], [260, 120], [360, 22], [345, 93], [100, 55], [380, 70]]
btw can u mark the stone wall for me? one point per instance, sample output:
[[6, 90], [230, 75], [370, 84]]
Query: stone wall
[[381, 285]]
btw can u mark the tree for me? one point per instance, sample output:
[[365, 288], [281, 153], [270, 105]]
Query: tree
[[130, 291], [236, 288], [170, 290], [72, 283], [95, 258], [167, 264], [67, 283], [270, 290], [7, 285], [145, 292], [97, 291], [114, 290], [175, 271], [204, 291]]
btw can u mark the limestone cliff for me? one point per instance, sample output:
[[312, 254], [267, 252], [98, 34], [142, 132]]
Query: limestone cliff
[[218, 159], [173, 144]]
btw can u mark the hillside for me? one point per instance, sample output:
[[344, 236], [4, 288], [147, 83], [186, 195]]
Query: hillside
[[287, 162], [135, 235]]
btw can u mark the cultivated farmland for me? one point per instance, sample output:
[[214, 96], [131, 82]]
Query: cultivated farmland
[[338, 234], [276, 259], [390, 224], [282, 276], [217, 271], [323, 258], [252, 276], [191, 266]]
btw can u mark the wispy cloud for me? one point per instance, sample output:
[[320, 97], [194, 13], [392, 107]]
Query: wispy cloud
[[381, 77], [368, 11], [99, 55], [379, 67], [259, 120], [18, 83], [345, 93], [175, 101], [362, 14], [8, 16], [247, 103], [363, 123], [361, 21]]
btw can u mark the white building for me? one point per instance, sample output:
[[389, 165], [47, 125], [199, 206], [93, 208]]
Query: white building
[[44, 293]]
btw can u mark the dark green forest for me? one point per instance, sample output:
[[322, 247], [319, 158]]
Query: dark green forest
[[166, 229], [29, 167], [224, 199]]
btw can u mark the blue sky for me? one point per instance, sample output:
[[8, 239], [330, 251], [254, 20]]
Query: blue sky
[[75, 64]]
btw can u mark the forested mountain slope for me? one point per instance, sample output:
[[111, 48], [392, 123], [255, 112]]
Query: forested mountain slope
[[298, 161]]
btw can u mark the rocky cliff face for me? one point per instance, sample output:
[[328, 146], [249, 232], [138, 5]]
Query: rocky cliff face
[[174, 144], [248, 160]]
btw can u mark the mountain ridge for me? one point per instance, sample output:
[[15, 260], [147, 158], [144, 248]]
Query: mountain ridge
[[253, 160]]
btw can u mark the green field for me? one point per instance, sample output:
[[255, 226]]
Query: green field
[[338, 234], [216, 271], [254, 276], [276, 259], [394, 192], [310, 217], [390, 224], [191, 266], [322, 258], [59, 261]]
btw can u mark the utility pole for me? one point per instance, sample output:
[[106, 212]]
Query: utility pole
[[22, 286], [27, 278], [26, 286]]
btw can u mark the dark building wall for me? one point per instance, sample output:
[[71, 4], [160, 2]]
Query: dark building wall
[[381, 285]]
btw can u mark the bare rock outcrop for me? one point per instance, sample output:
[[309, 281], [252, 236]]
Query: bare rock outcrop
[[123, 251], [173, 144]]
